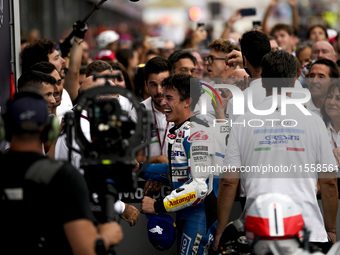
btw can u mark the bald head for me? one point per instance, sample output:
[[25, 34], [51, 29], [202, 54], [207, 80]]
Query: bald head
[[323, 49]]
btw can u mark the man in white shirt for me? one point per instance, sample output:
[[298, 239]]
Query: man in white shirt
[[215, 62], [156, 69], [46, 50], [279, 156], [41, 82], [100, 67], [216, 67], [63, 102], [322, 73], [254, 45], [182, 61], [44, 84]]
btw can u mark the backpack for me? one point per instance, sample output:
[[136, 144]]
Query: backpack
[[40, 172]]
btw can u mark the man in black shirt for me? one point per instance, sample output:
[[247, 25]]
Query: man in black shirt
[[45, 206]]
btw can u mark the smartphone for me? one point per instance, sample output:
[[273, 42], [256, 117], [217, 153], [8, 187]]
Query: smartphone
[[248, 12], [256, 24], [156, 42]]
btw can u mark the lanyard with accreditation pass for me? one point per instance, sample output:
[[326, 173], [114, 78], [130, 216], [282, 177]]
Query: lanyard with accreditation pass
[[336, 146], [161, 143]]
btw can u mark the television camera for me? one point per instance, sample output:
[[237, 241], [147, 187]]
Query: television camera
[[108, 154]]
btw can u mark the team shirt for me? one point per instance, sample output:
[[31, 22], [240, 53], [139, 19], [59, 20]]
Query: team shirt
[[290, 150], [258, 96], [65, 106], [312, 108]]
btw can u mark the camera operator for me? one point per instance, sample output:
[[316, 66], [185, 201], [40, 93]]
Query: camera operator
[[127, 212], [45, 203]]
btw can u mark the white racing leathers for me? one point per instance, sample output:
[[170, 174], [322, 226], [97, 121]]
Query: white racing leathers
[[191, 155]]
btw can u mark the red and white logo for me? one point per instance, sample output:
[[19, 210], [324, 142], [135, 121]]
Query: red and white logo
[[198, 136], [171, 136]]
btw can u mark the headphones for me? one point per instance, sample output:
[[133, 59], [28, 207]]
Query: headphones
[[49, 131]]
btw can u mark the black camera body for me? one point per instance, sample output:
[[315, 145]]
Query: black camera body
[[108, 159]]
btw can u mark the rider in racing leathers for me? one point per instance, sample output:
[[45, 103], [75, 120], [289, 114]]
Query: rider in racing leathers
[[191, 152]]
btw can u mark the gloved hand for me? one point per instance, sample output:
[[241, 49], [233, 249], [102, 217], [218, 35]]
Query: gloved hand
[[79, 29], [65, 47]]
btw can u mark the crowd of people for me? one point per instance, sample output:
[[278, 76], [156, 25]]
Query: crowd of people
[[262, 65]]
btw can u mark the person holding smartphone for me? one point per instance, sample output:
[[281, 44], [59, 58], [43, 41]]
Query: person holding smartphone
[[228, 25], [193, 41]]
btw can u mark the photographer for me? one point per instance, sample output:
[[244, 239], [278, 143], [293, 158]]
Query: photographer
[[45, 204]]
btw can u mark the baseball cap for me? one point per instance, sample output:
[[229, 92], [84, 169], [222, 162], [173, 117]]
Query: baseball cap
[[161, 231], [27, 112], [106, 54], [105, 38], [332, 34]]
